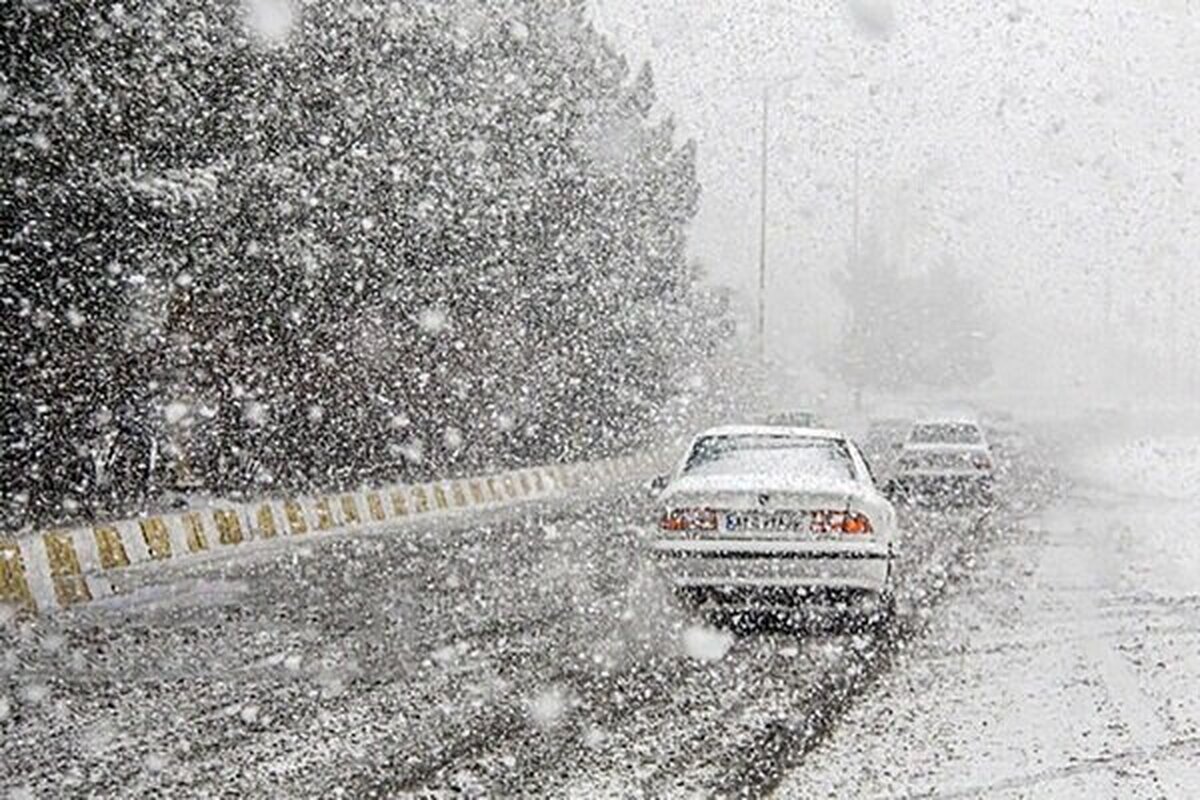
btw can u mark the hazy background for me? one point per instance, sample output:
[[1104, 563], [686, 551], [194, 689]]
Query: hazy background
[[1047, 147]]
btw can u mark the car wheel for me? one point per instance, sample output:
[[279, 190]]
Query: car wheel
[[871, 612], [879, 615], [887, 607]]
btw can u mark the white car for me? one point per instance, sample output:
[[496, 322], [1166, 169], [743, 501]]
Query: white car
[[762, 516], [946, 459]]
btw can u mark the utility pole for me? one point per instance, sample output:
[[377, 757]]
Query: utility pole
[[763, 177], [762, 229], [857, 183]]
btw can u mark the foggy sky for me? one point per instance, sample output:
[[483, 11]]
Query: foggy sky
[[1048, 146]]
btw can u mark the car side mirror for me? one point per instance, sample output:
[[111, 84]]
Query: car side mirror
[[657, 484]]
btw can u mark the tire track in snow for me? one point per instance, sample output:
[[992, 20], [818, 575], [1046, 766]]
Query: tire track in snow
[[687, 709], [931, 569], [784, 736]]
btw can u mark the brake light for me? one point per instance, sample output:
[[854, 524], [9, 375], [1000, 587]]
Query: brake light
[[840, 522], [856, 523], [689, 519]]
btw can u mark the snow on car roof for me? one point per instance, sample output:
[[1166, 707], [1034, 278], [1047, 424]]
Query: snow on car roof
[[771, 430], [949, 419], [930, 446]]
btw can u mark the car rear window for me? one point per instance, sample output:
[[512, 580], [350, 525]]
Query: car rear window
[[946, 433], [770, 455], [798, 419], [966, 460]]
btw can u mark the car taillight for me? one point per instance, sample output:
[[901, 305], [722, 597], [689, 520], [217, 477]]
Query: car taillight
[[840, 522], [856, 523], [689, 519]]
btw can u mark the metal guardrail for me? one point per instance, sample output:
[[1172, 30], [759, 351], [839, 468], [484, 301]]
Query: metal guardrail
[[57, 569]]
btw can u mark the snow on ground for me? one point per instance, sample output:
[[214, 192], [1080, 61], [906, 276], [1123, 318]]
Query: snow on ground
[[1156, 482], [1066, 667], [526, 654], [1160, 467]]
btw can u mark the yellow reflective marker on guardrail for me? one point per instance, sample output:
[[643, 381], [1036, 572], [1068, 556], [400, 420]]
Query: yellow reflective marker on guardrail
[[110, 548], [350, 510], [399, 503], [158, 541], [324, 514], [193, 529], [375, 507], [229, 527], [295, 517], [14, 587], [265, 519], [70, 587], [439, 498]]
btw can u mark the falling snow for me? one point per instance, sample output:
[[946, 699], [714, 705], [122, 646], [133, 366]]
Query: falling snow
[[681, 399]]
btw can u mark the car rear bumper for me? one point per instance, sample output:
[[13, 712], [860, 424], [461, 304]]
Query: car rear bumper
[[731, 564]]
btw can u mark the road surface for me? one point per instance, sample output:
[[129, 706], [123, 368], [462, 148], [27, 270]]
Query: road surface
[[1067, 665], [528, 652]]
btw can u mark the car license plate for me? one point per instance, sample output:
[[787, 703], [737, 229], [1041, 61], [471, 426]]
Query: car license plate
[[767, 522]]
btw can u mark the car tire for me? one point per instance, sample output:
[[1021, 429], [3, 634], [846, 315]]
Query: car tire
[[880, 619], [887, 606], [872, 613]]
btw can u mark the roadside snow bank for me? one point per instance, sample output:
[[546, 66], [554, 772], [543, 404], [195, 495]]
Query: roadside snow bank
[[1161, 468], [1146, 493]]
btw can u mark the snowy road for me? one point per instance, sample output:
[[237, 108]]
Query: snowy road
[[531, 653], [1067, 666]]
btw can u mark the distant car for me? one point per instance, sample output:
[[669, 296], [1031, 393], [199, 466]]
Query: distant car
[[765, 517], [945, 461], [794, 419]]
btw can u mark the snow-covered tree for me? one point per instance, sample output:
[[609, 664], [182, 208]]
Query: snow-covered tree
[[308, 244]]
